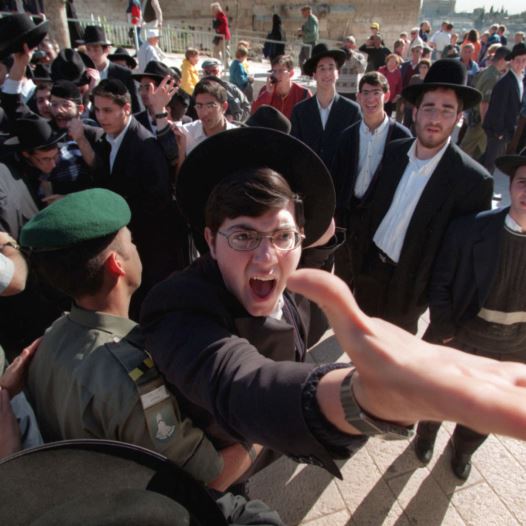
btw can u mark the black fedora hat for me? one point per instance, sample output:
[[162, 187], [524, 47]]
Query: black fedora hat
[[320, 51], [17, 30], [32, 132], [69, 66], [269, 117], [78, 481], [445, 73], [87, 60], [155, 70], [95, 35], [516, 51], [509, 163], [246, 148], [42, 74], [122, 54]]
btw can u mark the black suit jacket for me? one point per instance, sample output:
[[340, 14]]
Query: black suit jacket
[[141, 175], [143, 118], [115, 71], [307, 126], [458, 186], [464, 271], [344, 168], [504, 107]]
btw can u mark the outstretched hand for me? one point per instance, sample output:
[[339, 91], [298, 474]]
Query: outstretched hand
[[404, 379]]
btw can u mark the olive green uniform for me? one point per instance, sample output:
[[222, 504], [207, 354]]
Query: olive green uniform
[[474, 141], [92, 378]]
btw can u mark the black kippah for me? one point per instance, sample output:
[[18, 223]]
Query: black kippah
[[114, 86], [66, 90]]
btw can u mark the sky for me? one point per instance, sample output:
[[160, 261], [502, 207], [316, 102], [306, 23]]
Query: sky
[[513, 6]]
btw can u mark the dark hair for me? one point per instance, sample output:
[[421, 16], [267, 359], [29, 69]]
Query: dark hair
[[210, 87], [423, 92], [112, 89], [374, 78], [250, 193], [78, 270], [473, 36], [283, 60]]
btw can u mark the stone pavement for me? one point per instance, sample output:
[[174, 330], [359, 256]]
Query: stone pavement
[[384, 483]]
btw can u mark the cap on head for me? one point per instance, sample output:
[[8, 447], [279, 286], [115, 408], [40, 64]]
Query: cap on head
[[152, 33], [66, 89], [211, 63], [78, 217]]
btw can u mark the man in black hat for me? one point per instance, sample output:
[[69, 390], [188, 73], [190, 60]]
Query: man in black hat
[[122, 57], [319, 120], [229, 331], [504, 107], [25, 187], [423, 184], [149, 80], [476, 298], [357, 163], [98, 48]]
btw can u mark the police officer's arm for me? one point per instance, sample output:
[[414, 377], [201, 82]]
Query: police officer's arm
[[403, 379]]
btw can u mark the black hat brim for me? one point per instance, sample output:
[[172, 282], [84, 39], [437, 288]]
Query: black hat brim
[[15, 143], [139, 76], [338, 55], [32, 38], [470, 96], [246, 148], [129, 60], [509, 163], [41, 478]]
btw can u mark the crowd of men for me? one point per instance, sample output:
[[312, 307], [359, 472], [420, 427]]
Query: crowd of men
[[169, 224]]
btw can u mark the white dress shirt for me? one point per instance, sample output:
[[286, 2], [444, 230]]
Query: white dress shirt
[[324, 112], [195, 134], [115, 143], [372, 145], [519, 79], [104, 72], [391, 233]]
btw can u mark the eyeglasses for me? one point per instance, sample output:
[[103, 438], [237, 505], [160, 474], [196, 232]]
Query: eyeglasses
[[208, 105], [246, 240], [430, 111]]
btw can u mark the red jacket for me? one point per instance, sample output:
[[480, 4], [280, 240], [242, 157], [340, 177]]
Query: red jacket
[[222, 25]]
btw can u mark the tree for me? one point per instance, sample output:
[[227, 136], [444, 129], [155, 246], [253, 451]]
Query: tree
[[58, 21]]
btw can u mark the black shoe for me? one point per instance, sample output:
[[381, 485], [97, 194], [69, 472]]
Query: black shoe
[[424, 449], [460, 464]]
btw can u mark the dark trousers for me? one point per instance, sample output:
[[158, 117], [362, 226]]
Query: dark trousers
[[304, 54], [371, 284], [465, 440]]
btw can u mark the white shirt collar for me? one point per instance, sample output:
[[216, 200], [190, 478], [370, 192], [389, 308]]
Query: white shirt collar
[[411, 153], [118, 138], [104, 72], [378, 130], [513, 225]]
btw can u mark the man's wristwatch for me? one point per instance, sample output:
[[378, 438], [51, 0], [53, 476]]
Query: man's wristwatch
[[363, 421]]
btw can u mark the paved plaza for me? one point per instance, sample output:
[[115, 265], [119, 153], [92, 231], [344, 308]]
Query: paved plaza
[[384, 483]]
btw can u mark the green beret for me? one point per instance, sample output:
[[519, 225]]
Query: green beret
[[77, 217]]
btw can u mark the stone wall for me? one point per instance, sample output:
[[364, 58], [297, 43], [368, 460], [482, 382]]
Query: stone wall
[[337, 18]]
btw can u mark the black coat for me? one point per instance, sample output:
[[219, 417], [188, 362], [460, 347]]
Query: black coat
[[350, 210], [344, 168], [141, 174], [504, 108], [458, 186], [307, 126], [235, 375], [464, 271]]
